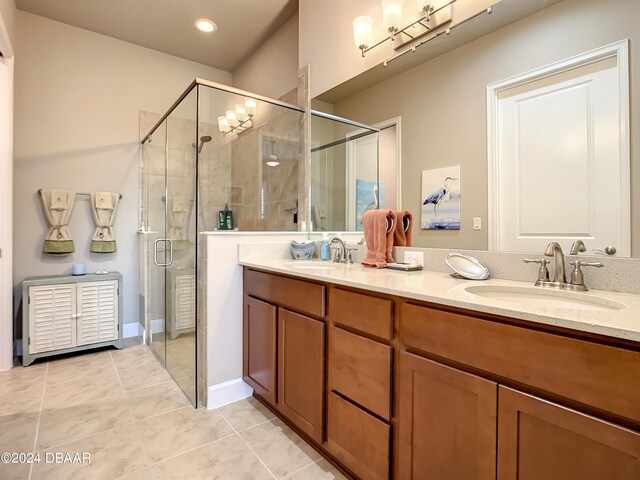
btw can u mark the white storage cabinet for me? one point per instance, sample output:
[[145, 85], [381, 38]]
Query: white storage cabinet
[[63, 314]]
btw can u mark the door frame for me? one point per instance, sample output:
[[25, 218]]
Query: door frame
[[618, 50], [6, 199]]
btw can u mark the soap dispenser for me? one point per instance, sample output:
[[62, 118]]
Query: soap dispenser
[[325, 250]]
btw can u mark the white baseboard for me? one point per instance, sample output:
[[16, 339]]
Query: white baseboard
[[157, 326], [130, 330], [227, 392]]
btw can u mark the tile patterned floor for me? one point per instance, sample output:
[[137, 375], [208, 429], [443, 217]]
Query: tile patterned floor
[[124, 409]]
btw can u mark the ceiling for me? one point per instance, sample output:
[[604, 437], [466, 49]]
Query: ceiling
[[167, 25]]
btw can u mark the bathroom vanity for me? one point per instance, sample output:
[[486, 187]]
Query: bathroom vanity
[[409, 376]]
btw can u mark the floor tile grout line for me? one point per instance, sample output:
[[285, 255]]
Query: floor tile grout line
[[194, 448], [162, 413], [256, 425], [140, 438], [117, 374], [300, 469], [249, 446], [35, 440]]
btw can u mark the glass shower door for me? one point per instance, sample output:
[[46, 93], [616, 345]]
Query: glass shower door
[[181, 239]]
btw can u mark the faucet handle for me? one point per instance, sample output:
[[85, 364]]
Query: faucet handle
[[349, 255], [577, 277], [337, 257], [543, 271]]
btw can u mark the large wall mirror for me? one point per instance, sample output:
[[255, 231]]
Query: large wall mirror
[[555, 92]]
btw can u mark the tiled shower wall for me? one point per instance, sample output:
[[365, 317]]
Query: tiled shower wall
[[265, 198]]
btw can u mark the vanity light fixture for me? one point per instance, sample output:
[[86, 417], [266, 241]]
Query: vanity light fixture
[[239, 119], [205, 25], [392, 20]]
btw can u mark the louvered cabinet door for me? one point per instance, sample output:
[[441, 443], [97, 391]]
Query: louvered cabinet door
[[185, 304], [97, 312], [52, 323]]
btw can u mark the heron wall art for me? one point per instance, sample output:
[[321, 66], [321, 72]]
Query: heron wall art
[[441, 199]]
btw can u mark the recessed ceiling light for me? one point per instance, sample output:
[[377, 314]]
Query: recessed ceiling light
[[273, 161], [273, 164], [205, 25]]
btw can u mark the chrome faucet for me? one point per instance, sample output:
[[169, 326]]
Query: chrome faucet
[[341, 251], [554, 250]]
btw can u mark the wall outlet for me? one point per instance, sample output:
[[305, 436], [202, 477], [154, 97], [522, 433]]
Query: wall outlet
[[477, 223], [414, 257]]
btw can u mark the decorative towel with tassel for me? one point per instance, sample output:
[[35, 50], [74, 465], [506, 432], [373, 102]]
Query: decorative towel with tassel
[[104, 206], [57, 206], [404, 229], [379, 229]]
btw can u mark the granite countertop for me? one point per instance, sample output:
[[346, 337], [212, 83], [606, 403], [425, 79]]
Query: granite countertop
[[441, 288]]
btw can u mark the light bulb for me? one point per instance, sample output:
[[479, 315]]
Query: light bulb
[[362, 31], [250, 106], [241, 113], [231, 117], [223, 124], [392, 14]]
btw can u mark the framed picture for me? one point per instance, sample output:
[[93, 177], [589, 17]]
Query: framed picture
[[441, 199]]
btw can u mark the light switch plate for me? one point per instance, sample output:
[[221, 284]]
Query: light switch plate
[[414, 257], [477, 223]]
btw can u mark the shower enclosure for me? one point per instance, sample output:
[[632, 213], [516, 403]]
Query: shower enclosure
[[219, 159]]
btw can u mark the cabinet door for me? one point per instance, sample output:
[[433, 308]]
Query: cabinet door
[[541, 440], [260, 348], [446, 422], [52, 322], [301, 371], [97, 312]]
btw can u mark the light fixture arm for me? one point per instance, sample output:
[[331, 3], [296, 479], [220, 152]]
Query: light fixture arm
[[427, 16], [241, 126]]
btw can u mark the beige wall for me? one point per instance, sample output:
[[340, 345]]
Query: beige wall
[[8, 15], [272, 70], [327, 43], [78, 96], [443, 102]]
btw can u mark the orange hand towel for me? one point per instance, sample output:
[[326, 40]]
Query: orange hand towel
[[404, 229], [379, 227]]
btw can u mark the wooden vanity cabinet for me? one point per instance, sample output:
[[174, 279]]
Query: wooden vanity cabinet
[[448, 418], [393, 388]]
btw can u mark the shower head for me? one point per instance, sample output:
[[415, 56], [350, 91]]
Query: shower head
[[204, 139]]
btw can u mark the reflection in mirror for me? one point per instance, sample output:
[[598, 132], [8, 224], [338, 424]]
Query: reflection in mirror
[[443, 103], [344, 173]]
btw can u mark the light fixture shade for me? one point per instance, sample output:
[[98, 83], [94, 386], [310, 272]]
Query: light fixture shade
[[231, 117], [363, 30], [241, 113], [223, 124], [392, 14], [250, 106], [422, 4]]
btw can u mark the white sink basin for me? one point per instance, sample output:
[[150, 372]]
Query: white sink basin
[[544, 297]]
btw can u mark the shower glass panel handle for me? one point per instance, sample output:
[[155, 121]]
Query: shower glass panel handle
[[155, 252]]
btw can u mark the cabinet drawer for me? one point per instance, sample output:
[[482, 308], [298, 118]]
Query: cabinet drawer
[[368, 314], [298, 295], [360, 369], [357, 439], [604, 377]]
